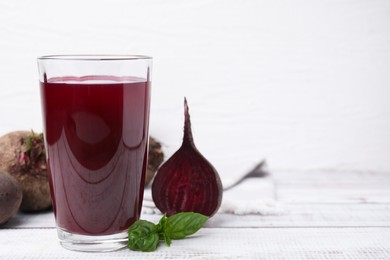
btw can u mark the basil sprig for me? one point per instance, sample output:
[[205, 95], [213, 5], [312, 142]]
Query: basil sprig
[[142, 236], [146, 236]]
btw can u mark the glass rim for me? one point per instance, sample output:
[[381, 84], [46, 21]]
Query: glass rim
[[94, 57]]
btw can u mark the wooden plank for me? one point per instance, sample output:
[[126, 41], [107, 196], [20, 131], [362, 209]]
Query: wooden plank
[[219, 243], [292, 187], [26, 220], [313, 215], [332, 187], [296, 215], [346, 228]]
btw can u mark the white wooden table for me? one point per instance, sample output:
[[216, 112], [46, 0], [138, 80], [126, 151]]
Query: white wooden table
[[329, 215]]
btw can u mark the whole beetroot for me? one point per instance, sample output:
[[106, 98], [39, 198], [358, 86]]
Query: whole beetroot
[[22, 154], [10, 196], [155, 158]]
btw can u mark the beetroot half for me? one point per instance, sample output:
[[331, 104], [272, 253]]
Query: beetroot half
[[187, 182]]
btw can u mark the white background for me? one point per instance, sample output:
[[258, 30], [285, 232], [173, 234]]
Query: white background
[[304, 84]]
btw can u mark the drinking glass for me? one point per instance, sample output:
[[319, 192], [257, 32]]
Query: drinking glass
[[95, 122]]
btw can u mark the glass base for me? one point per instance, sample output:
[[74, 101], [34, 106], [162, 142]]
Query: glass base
[[86, 243]]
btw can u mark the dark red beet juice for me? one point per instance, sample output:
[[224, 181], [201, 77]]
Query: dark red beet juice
[[96, 139]]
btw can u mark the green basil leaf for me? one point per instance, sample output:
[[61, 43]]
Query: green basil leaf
[[161, 225], [183, 224], [143, 236], [167, 239]]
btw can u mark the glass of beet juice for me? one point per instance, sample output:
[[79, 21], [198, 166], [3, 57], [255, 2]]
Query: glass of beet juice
[[96, 119]]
